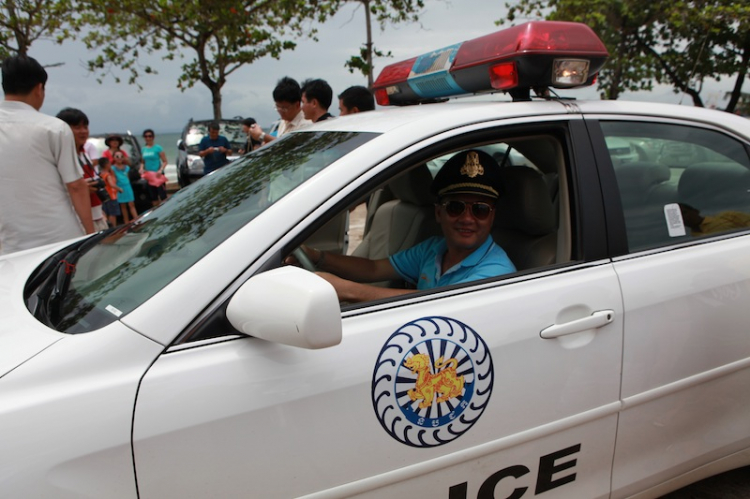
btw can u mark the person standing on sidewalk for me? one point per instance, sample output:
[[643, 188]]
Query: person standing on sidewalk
[[317, 96], [152, 168], [43, 196], [214, 148], [287, 95], [79, 124]]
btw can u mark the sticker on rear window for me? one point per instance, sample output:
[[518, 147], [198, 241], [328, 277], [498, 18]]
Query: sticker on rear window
[[673, 216], [432, 380]]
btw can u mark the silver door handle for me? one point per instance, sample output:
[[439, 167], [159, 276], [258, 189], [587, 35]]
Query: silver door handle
[[595, 320]]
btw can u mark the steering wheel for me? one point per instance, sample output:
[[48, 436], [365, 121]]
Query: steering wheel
[[303, 259]]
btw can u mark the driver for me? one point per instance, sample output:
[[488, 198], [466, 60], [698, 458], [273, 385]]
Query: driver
[[466, 189]]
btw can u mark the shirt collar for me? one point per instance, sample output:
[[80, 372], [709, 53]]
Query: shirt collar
[[17, 104], [297, 119], [470, 261]]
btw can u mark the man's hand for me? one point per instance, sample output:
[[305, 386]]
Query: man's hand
[[256, 132], [354, 292], [91, 182]]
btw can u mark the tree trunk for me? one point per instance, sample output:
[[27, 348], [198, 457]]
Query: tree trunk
[[368, 45], [216, 101], [737, 90]]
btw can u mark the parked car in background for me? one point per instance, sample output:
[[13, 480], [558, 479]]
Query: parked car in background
[[133, 148], [189, 164]]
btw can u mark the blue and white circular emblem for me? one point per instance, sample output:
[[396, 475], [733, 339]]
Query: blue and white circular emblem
[[432, 381]]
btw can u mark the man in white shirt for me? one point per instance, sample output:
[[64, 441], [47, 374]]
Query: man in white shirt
[[43, 196], [287, 95]]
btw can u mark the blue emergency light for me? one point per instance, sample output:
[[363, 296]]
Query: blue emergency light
[[537, 54]]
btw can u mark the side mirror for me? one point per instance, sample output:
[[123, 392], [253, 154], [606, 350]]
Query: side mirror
[[288, 305], [181, 145]]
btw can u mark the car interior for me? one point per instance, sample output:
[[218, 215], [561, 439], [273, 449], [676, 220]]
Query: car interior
[[684, 172], [531, 223]]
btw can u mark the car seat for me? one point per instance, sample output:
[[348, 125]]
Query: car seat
[[525, 223], [404, 221], [713, 187], [644, 191]]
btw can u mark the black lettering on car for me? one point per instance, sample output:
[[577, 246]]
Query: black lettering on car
[[548, 467]]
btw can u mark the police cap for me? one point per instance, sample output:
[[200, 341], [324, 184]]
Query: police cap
[[468, 172]]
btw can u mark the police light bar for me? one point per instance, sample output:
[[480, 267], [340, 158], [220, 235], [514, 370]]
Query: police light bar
[[536, 54]]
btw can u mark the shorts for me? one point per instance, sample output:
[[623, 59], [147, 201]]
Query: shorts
[[111, 208], [157, 193]]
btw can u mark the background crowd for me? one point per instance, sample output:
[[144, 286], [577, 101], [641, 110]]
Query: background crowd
[[66, 189]]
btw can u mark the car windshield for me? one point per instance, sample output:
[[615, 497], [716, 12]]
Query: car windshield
[[232, 130], [93, 283]]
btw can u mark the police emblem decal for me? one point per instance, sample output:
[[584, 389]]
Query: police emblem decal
[[472, 167], [432, 380]]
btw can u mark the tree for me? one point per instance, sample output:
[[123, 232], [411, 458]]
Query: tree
[[704, 39], [22, 22], [221, 35], [385, 11], [677, 42]]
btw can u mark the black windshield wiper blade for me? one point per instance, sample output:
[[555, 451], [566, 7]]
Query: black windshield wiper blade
[[47, 287]]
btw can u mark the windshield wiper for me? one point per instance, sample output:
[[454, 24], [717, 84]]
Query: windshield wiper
[[46, 289]]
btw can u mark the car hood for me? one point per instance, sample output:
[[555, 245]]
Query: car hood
[[21, 335]]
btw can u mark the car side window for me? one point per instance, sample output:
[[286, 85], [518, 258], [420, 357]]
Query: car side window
[[533, 223], [678, 182], [400, 214]]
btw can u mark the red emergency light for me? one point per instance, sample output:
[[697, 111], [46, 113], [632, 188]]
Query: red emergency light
[[536, 54]]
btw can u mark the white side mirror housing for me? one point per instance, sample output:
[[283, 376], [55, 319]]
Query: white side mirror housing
[[288, 305]]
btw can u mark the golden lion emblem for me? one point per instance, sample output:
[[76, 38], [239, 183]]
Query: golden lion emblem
[[444, 382], [472, 167]]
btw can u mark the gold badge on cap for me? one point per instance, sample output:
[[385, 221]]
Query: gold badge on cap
[[472, 167]]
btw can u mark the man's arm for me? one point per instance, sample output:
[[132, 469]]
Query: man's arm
[[204, 149], [355, 292], [348, 269], [257, 133], [78, 191], [353, 268]]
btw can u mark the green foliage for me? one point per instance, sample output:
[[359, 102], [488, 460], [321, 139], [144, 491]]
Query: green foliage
[[678, 42], [211, 39], [22, 22], [362, 63], [384, 12]]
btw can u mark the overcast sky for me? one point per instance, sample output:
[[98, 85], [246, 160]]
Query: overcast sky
[[160, 105]]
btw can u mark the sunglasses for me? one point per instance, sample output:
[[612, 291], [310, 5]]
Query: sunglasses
[[147, 136], [479, 210]]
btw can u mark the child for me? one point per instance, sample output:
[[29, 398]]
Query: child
[[112, 207], [125, 196]]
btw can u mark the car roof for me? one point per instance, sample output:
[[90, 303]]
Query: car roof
[[464, 111]]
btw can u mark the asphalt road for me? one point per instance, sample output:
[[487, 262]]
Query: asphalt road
[[733, 484]]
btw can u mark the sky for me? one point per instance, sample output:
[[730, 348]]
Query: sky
[[162, 106]]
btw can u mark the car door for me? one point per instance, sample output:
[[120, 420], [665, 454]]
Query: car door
[[529, 406], [683, 271]]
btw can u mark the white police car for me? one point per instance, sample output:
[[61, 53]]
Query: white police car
[[178, 357]]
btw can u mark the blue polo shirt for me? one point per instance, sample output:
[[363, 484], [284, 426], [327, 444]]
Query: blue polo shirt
[[420, 265], [215, 160]]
